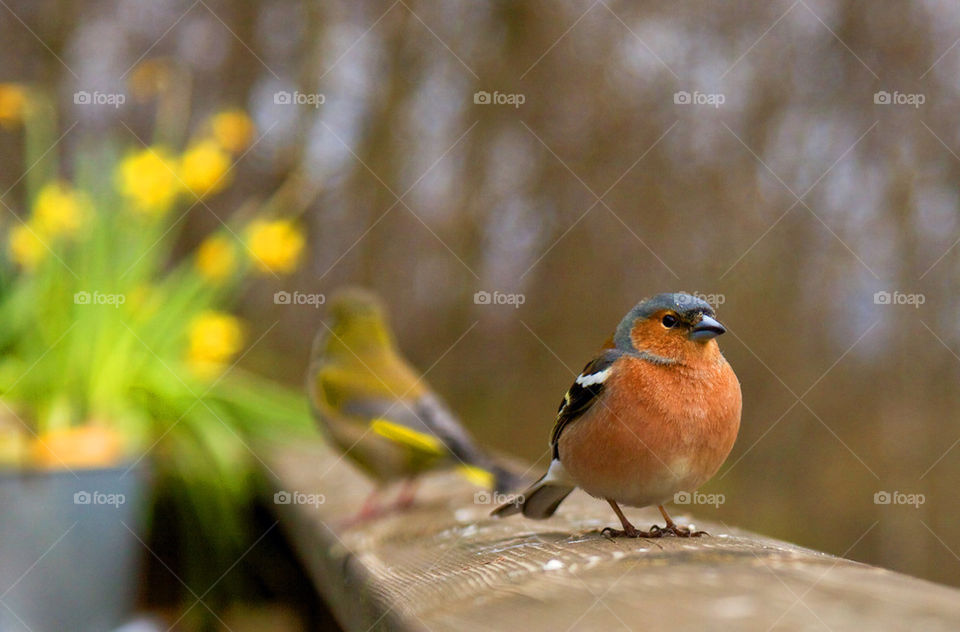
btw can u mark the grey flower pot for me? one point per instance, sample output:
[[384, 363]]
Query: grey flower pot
[[69, 553]]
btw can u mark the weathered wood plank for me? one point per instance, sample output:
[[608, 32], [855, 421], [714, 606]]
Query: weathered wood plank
[[444, 565]]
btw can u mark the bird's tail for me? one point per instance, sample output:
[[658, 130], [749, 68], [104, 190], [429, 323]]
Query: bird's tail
[[506, 480], [541, 499], [495, 477]]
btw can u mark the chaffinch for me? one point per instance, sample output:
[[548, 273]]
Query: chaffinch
[[655, 413], [374, 407]]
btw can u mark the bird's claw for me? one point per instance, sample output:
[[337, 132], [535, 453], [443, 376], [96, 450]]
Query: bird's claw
[[611, 533], [676, 530]]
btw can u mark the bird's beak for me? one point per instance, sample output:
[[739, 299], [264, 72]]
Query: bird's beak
[[707, 329]]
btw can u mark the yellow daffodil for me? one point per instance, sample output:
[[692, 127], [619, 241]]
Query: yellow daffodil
[[276, 245], [149, 178], [233, 129], [215, 337], [216, 258], [26, 247], [59, 209], [13, 103], [204, 168]]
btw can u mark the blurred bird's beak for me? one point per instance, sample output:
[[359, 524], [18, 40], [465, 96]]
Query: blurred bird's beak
[[706, 329]]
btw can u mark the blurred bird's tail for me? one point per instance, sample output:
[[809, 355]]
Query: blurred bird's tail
[[505, 480], [494, 477], [540, 500]]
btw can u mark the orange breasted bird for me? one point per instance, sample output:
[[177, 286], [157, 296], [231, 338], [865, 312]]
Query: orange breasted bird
[[655, 413], [377, 410]]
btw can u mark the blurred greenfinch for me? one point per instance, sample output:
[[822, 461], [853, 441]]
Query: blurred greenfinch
[[375, 408]]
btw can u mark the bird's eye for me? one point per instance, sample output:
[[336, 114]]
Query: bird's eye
[[669, 321]]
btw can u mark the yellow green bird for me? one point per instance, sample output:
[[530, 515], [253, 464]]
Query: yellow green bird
[[375, 408]]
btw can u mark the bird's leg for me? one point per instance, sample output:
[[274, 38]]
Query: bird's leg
[[628, 530], [407, 495], [371, 508], [674, 529], [371, 505]]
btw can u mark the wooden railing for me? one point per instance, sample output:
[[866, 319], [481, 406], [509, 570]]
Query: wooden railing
[[445, 565]]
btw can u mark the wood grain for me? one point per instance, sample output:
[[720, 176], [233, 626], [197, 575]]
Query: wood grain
[[445, 565]]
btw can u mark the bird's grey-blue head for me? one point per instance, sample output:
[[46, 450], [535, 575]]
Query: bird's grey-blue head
[[675, 309]]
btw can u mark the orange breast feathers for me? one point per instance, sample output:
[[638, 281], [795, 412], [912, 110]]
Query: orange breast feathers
[[657, 428]]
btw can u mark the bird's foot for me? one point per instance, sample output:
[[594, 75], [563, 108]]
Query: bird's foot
[[365, 514], [632, 532], [676, 530], [371, 509], [404, 503]]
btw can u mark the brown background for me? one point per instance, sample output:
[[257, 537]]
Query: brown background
[[843, 397]]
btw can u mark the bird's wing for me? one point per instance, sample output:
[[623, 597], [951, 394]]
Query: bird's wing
[[425, 421], [583, 393], [331, 382]]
